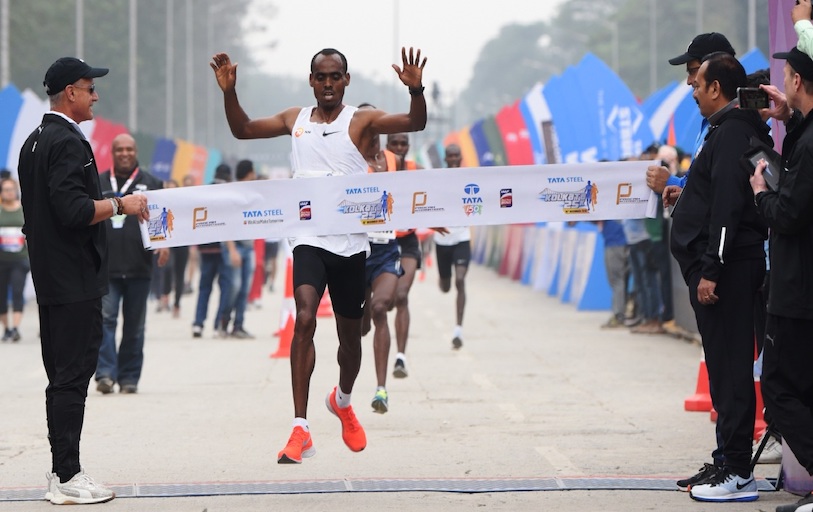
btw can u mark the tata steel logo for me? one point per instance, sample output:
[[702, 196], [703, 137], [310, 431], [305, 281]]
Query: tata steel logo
[[304, 210]]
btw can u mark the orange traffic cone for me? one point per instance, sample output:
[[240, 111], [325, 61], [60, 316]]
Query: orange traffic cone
[[288, 304], [325, 305], [285, 339], [701, 399]]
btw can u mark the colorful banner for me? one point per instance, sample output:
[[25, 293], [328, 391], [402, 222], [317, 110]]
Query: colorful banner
[[402, 200], [101, 140], [514, 133], [10, 104]]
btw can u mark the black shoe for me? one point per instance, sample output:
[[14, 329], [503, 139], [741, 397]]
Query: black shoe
[[7, 335], [197, 331], [400, 371], [242, 334], [15, 335], [457, 342], [803, 505], [105, 385], [704, 475]]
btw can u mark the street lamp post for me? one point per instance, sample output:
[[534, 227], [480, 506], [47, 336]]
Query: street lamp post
[[133, 82], [190, 69], [170, 57], [80, 28], [213, 9], [5, 75]]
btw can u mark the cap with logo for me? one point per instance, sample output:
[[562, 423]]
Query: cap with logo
[[703, 45], [799, 61], [66, 71]]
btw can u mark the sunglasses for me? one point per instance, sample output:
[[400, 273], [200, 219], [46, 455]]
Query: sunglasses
[[90, 89]]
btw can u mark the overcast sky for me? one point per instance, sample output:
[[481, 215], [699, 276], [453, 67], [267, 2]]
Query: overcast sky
[[450, 33]]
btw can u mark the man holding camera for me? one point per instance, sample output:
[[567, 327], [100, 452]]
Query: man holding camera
[[786, 378], [717, 239]]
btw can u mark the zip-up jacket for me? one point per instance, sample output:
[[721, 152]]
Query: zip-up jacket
[[59, 182], [789, 213], [715, 220], [128, 258]]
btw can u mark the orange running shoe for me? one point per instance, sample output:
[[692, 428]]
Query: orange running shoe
[[352, 432], [299, 445]]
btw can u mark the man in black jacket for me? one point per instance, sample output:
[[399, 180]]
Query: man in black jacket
[[787, 382], [63, 207], [717, 239], [130, 274]]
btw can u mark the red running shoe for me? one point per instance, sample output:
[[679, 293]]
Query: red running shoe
[[352, 432], [299, 445]]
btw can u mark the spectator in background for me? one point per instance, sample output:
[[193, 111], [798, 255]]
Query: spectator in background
[[717, 239], [658, 176], [786, 378], [131, 272], [271, 257], [616, 261], [13, 258], [645, 276], [193, 259], [217, 260], [244, 272], [657, 228], [164, 276]]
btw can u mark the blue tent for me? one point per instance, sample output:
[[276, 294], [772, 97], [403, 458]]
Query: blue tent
[[10, 103]]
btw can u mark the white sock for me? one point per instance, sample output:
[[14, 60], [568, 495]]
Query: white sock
[[458, 331], [342, 399], [401, 356], [302, 422]]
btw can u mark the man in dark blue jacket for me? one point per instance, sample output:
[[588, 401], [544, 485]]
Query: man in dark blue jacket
[[63, 207], [717, 239], [130, 274], [787, 382]]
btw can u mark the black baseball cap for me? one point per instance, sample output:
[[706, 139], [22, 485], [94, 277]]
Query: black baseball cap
[[66, 71], [703, 45], [799, 61]]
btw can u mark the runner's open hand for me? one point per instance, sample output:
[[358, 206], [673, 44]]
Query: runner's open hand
[[413, 68], [225, 71]]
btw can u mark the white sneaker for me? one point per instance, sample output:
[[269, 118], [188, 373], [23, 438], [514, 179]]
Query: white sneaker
[[79, 490], [771, 454], [726, 486]]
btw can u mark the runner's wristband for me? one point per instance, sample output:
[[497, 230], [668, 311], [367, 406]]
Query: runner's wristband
[[416, 91], [114, 205]]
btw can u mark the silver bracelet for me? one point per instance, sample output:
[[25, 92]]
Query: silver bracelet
[[115, 206]]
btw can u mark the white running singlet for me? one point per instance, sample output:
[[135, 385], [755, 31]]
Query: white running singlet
[[325, 149]]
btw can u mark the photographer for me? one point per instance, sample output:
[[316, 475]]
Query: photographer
[[786, 377]]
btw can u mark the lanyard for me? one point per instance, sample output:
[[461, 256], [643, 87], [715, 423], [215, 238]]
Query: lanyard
[[114, 184]]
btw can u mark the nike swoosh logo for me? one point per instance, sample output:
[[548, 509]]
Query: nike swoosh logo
[[741, 487], [325, 134]]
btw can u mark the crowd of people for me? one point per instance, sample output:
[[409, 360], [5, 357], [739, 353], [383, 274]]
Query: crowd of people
[[77, 231]]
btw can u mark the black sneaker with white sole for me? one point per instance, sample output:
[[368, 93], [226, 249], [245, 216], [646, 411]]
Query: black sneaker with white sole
[[705, 473]]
